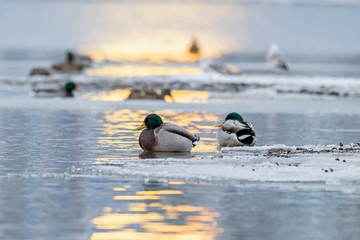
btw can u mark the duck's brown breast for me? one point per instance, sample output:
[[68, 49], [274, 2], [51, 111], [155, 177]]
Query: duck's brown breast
[[147, 140]]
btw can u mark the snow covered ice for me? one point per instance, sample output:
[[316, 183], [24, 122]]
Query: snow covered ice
[[272, 164]]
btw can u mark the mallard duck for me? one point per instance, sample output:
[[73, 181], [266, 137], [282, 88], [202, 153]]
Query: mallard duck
[[194, 48], [234, 131], [164, 137], [53, 89], [67, 67], [150, 94], [275, 58], [40, 71], [73, 63]]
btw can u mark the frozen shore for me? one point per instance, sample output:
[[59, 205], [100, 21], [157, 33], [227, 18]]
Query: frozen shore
[[213, 82], [325, 165]]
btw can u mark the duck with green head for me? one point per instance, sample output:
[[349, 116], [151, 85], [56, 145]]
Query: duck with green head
[[53, 89], [69, 88], [164, 137], [234, 131]]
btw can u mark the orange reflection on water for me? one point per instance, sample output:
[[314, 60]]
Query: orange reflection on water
[[189, 96], [106, 96], [145, 53], [117, 133], [177, 96], [176, 183], [147, 197], [159, 192], [120, 220], [119, 189], [137, 207], [153, 220], [141, 71]]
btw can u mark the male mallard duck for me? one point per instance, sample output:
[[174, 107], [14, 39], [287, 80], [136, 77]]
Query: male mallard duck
[[53, 89], [164, 137], [235, 131]]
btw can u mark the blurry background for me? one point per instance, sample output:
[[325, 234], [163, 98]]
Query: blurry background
[[161, 31], [62, 159]]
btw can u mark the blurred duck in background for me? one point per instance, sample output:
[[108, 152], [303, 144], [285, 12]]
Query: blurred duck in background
[[194, 48], [219, 66], [40, 71], [150, 94], [275, 59], [73, 63], [53, 89], [225, 69]]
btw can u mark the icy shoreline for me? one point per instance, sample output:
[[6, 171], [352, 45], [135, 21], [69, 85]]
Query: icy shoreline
[[213, 82], [325, 165]]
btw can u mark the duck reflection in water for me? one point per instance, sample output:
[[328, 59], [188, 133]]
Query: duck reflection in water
[[150, 154]]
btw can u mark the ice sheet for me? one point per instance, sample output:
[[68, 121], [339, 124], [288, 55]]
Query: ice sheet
[[324, 164]]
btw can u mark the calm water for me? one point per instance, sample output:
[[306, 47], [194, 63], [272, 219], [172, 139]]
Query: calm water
[[111, 208], [49, 191], [50, 148]]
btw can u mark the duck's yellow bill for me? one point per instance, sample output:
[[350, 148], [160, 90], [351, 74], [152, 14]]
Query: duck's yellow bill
[[220, 125], [76, 89], [140, 127]]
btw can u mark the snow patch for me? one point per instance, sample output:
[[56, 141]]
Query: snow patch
[[326, 164]]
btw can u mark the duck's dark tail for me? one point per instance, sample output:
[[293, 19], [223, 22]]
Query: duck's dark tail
[[246, 136], [194, 142]]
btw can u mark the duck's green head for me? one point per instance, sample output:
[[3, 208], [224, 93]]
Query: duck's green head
[[70, 86], [232, 116], [151, 121]]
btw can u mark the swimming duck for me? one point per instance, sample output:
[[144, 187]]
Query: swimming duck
[[164, 137], [234, 131], [275, 58], [53, 89]]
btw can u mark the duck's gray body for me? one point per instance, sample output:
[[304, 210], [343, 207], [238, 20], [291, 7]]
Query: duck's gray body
[[48, 88], [168, 137]]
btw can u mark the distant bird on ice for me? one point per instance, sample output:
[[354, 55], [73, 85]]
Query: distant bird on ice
[[73, 63], [194, 48], [275, 59], [234, 131]]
